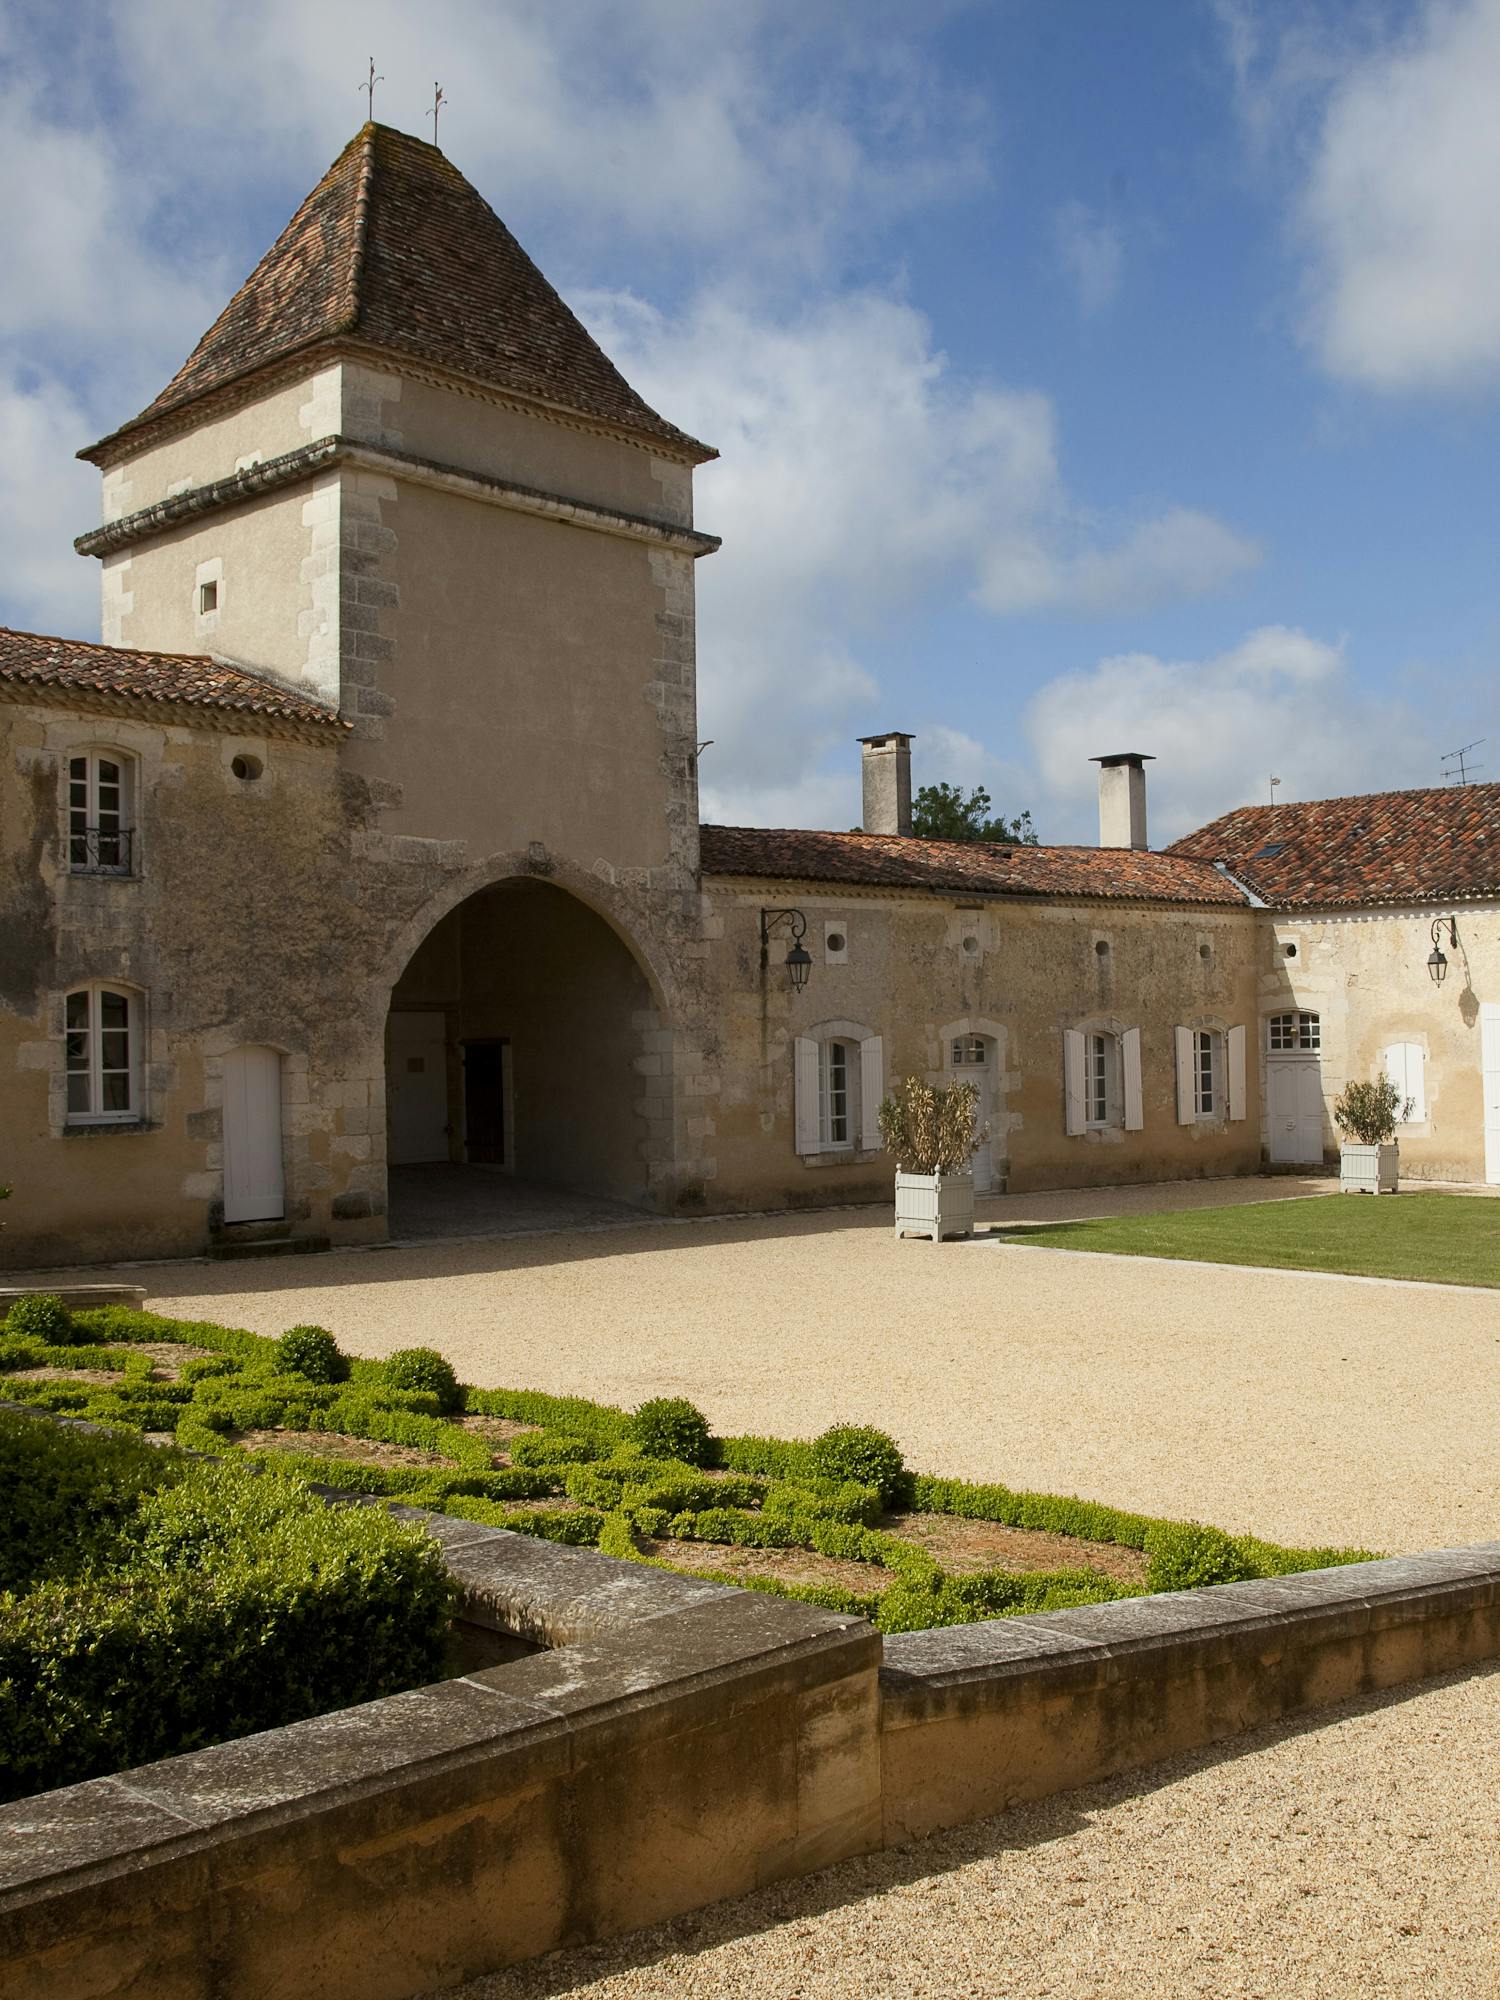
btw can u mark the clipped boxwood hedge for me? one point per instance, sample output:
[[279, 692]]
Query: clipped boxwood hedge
[[596, 1476], [153, 1603]]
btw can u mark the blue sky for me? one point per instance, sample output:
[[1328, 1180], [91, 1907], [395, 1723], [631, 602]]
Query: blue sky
[[1088, 377]]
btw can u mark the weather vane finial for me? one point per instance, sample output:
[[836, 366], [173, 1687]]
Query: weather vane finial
[[368, 87], [438, 101]]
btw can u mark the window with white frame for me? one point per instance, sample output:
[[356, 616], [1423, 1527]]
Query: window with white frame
[[838, 1083], [1295, 1034], [969, 1051], [1206, 1084], [103, 1055], [101, 800], [1101, 1081], [1211, 1081], [838, 1064]]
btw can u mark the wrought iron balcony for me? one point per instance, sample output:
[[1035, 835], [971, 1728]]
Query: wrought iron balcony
[[100, 850]]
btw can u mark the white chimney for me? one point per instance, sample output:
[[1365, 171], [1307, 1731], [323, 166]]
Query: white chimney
[[887, 775], [1122, 798]]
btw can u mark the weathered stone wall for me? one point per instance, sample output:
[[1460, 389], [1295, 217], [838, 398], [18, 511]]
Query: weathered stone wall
[[919, 971], [1364, 974]]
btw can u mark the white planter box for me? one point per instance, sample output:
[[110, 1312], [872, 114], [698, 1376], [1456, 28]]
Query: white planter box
[[934, 1205], [1369, 1169]]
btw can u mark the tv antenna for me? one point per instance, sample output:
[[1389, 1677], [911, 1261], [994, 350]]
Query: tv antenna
[[368, 87], [438, 101], [1456, 765]]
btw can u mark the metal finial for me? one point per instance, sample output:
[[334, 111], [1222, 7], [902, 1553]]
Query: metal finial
[[438, 101], [368, 87]]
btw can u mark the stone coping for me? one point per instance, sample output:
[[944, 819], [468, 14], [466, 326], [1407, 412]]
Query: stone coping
[[1104, 1642]]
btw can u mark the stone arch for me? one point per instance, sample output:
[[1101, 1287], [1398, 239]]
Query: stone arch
[[524, 1029]]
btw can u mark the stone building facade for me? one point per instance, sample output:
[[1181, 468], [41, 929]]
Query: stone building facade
[[369, 835]]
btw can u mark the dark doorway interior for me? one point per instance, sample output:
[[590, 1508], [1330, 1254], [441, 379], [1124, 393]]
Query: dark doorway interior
[[484, 1103]]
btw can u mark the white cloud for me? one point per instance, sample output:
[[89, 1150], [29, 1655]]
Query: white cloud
[[1090, 254], [862, 477], [1165, 559], [1281, 702], [47, 586], [1388, 127]]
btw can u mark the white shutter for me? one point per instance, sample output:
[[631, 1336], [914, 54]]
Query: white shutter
[[871, 1091], [1405, 1066], [805, 1091], [1130, 1063], [1076, 1112], [1235, 1041], [1186, 1108]]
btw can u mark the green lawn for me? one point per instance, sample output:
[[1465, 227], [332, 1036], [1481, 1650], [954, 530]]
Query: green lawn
[[1451, 1238]]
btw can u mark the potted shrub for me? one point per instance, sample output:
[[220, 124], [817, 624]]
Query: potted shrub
[[931, 1132], [1367, 1114]]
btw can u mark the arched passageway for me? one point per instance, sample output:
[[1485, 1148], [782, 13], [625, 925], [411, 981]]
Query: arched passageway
[[511, 1048]]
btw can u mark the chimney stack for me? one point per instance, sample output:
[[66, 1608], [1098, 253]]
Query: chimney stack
[[887, 775], [1122, 798]]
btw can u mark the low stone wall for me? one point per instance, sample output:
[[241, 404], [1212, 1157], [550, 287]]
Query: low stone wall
[[679, 1743], [975, 1718]]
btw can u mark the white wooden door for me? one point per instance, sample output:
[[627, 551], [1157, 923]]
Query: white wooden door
[[416, 1087], [965, 1065], [1489, 1030], [1294, 1094], [254, 1187]]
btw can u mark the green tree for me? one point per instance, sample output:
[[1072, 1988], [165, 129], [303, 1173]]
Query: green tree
[[941, 812]]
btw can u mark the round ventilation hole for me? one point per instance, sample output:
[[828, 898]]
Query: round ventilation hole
[[1290, 950], [1102, 947], [246, 767], [837, 941], [1205, 951], [971, 945]]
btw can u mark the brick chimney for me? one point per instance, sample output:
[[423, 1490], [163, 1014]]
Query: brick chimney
[[887, 775], [1122, 798]]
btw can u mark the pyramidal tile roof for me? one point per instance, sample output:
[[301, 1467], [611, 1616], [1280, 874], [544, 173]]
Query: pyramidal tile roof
[[33, 661], [1437, 844], [394, 250], [974, 867]]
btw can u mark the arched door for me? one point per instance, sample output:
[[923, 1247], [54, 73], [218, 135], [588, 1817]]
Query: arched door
[[254, 1184]]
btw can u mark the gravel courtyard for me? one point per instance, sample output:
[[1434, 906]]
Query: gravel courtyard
[[1352, 1854], [1304, 1408]]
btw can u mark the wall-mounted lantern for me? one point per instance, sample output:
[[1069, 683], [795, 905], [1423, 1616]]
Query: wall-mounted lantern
[[798, 958], [1437, 963]]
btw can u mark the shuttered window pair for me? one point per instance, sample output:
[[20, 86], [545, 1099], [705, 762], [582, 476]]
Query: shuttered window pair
[[838, 1082], [1102, 1077]]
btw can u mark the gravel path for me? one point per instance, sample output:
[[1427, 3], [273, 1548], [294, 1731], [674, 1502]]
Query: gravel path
[[1300, 1407], [1355, 1856]]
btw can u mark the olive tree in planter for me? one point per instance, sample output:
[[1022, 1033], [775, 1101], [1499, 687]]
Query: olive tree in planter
[[1367, 1115], [932, 1131]]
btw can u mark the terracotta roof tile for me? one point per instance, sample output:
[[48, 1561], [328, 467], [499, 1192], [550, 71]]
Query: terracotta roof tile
[[1437, 845], [192, 680], [977, 867], [394, 250]]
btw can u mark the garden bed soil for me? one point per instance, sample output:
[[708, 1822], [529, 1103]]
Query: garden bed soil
[[169, 1356], [780, 1565], [495, 1430], [105, 1377], [334, 1444], [960, 1546]]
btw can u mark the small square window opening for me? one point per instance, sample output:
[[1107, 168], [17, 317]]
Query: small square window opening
[[208, 598]]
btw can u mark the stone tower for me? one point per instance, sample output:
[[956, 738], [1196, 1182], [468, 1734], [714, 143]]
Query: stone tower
[[398, 473]]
